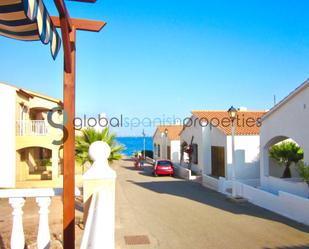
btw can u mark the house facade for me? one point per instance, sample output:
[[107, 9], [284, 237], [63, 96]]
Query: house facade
[[166, 142], [208, 133], [27, 148], [288, 120]]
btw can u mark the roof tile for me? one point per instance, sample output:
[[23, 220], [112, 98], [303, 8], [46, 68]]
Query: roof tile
[[173, 131], [246, 121]]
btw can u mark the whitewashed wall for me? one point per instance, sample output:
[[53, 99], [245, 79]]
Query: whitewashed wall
[[7, 135], [160, 139], [157, 139], [290, 120], [291, 185], [175, 150], [213, 137], [247, 161], [286, 204], [186, 135], [247, 151]]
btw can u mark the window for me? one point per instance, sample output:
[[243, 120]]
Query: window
[[164, 163], [195, 153], [159, 150]]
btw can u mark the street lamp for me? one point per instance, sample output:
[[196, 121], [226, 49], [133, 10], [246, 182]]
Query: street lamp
[[233, 115], [166, 132]]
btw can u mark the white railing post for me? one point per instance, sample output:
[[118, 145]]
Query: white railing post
[[43, 239], [99, 190], [17, 236]]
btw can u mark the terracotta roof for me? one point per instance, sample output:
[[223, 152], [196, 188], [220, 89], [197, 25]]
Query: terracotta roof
[[173, 131], [246, 124]]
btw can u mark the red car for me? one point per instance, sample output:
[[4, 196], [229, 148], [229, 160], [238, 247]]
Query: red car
[[163, 167]]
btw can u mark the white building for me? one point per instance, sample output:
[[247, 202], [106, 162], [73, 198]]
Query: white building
[[166, 142], [209, 135], [289, 119], [31, 148]]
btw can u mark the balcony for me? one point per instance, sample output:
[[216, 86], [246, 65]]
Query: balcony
[[32, 128]]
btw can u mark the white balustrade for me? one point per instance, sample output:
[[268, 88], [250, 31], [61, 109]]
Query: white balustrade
[[43, 199], [43, 240], [32, 128], [17, 237]]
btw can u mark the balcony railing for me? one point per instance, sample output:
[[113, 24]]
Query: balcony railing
[[32, 128]]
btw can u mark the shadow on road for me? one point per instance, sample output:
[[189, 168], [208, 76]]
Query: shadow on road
[[133, 168], [196, 192]]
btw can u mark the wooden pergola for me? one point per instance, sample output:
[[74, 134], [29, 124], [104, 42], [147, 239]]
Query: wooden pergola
[[29, 20], [69, 26]]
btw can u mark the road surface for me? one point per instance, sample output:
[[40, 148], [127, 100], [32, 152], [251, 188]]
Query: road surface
[[170, 213]]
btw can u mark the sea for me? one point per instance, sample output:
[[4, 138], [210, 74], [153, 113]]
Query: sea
[[134, 144]]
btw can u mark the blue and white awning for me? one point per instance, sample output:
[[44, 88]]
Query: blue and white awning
[[28, 20]]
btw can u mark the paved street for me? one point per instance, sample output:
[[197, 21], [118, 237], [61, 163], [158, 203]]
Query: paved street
[[176, 214]]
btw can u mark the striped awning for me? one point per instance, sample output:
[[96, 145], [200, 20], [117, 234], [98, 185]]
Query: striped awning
[[28, 20]]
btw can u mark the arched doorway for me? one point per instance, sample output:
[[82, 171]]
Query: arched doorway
[[272, 172], [271, 166], [33, 163]]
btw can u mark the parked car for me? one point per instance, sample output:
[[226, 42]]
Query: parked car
[[163, 167]]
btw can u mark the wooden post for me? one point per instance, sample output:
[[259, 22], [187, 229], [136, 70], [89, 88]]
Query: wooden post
[[68, 29], [69, 150]]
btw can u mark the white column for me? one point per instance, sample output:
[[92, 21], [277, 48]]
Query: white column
[[43, 239], [17, 236], [99, 189]]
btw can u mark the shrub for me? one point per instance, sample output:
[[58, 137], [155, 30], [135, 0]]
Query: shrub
[[303, 170], [285, 154]]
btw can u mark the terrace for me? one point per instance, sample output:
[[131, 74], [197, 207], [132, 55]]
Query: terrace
[[94, 204]]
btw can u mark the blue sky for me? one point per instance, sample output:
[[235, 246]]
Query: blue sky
[[168, 57]]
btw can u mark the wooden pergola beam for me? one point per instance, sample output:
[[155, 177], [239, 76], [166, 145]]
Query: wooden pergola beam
[[81, 24], [66, 28], [63, 12]]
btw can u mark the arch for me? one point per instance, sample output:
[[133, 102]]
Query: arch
[[34, 143], [34, 146], [33, 163], [275, 140], [270, 167]]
